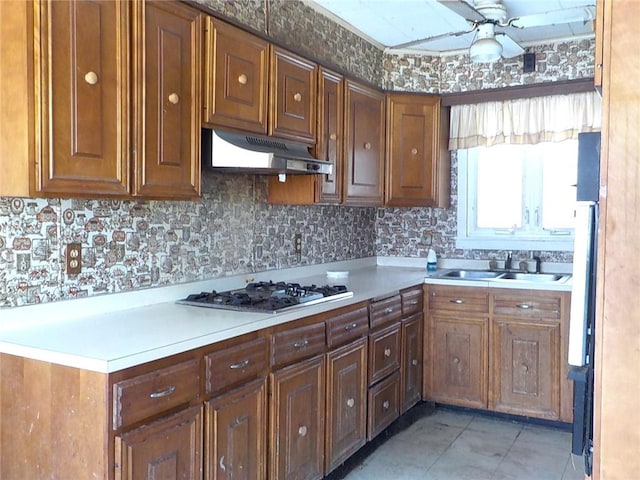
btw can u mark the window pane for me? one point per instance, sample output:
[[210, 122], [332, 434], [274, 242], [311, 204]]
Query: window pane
[[499, 188], [559, 175]]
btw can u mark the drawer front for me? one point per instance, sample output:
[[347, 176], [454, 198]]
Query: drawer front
[[515, 303], [459, 299], [347, 326], [384, 353], [296, 344], [141, 397], [384, 405], [412, 301], [236, 365], [386, 311]]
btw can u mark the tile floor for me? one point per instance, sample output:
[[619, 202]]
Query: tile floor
[[459, 445]]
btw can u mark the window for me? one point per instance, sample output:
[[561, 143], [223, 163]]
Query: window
[[517, 196]]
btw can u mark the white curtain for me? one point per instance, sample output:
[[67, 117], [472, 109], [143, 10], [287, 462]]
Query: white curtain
[[524, 120]]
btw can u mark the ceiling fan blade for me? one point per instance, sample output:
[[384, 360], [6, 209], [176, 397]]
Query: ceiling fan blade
[[510, 48], [420, 41], [554, 17], [463, 9]]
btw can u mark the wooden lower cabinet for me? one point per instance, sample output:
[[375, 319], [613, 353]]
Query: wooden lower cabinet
[[525, 368], [384, 404], [170, 448], [459, 349], [296, 433], [346, 426], [236, 434], [411, 362]]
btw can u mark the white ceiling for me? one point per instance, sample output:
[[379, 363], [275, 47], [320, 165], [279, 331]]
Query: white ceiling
[[393, 22]]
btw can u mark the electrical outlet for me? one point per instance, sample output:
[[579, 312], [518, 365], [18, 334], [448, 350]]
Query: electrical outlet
[[297, 246], [74, 258]]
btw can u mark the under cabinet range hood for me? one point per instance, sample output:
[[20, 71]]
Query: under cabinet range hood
[[239, 152]]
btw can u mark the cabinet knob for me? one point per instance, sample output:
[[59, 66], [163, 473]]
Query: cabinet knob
[[414, 362], [333, 136], [91, 78], [414, 151], [174, 98], [387, 352], [525, 369], [385, 405], [242, 79], [302, 430], [297, 97], [367, 146], [351, 402], [456, 360]]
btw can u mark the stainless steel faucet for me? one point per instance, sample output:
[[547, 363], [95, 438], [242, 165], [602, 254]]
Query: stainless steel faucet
[[507, 262]]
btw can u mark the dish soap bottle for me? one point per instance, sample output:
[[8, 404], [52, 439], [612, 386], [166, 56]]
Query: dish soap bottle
[[432, 261]]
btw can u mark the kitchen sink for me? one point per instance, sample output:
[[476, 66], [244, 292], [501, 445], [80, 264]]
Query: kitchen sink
[[471, 274], [533, 277]]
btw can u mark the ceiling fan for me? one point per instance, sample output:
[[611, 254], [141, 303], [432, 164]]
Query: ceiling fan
[[491, 22]]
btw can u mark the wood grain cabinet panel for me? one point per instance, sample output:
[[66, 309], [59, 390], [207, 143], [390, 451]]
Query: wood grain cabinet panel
[[236, 434], [417, 167], [170, 449], [364, 145], [236, 78], [384, 352], [384, 405], [167, 99], [82, 80], [347, 325], [411, 362], [294, 344]]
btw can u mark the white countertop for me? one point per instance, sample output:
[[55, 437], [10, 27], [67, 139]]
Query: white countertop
[[112, 332]]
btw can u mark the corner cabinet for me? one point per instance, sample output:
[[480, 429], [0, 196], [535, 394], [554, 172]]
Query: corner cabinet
[[418, 166]]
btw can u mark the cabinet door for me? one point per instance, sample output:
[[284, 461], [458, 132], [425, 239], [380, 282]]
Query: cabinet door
[[170, 449], [293, 97], [346, 402], [236, 78], [364, 145], [236, 434], [525, 368], [167, 79], [297, 421], [411, 365], [384, 405], [83, 87], [459, 362], [330, 134], [417, 167], [384, 352]]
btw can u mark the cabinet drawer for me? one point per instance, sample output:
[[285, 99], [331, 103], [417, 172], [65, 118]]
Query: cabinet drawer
[[384, 405], [515, 303], [297, 343], [462, 299], [411, 301], [347, 326], [235, 365], [140, 397], [384, 352], [385, 311]]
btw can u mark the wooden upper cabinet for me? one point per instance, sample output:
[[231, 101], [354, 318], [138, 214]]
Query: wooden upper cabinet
[[167, 99], [236, 78], [292, 96], [417, 171], [82, 84], [599, 49], [364, 145]]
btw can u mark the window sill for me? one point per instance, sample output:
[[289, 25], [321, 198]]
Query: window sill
[[511, 243]]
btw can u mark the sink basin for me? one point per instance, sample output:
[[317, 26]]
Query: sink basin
[[471, 274], [533, 277]]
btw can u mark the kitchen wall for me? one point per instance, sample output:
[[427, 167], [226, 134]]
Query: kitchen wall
[[127, 244]]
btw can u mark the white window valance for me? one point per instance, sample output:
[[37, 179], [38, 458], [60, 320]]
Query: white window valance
[[524, 120]]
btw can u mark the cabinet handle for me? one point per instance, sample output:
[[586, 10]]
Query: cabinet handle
[[223, 467], [414, 363], [525, 369], [242, 364], [456, 360], [163, 393], [457, 301], [174, 98], [385, 405], [333, 136], [413, 302], [302, 431], [388, 311], [351, 326], [351, 402], [414, 151], [91, 78], [387, 352], [242, 79], [301, 344], [523, 306], [367, 145], [297, 97]]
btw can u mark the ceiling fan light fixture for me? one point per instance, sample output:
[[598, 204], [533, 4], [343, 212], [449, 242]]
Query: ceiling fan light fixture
[[485, 50]]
